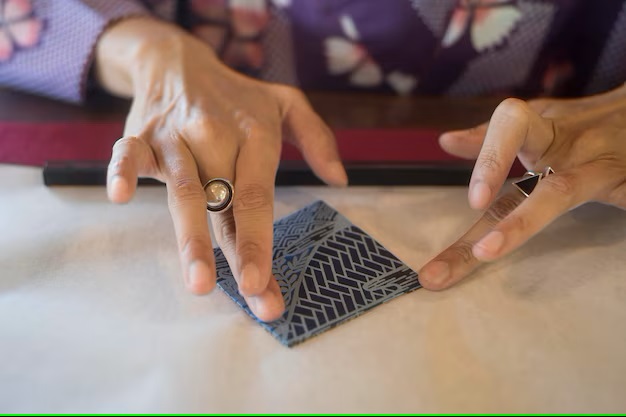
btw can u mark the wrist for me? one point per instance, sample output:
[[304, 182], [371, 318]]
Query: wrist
[[135, 51]]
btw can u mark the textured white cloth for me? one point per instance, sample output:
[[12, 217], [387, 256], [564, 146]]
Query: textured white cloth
[[94, 316]]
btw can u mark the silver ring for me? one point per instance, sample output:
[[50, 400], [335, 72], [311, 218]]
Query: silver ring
[[530, 180], [219, 194]]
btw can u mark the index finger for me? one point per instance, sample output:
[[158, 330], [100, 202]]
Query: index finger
[[187, 205], [458, 260], [514, 126]]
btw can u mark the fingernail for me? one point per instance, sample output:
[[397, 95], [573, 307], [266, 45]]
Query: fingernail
[[490, 245], [253, 304], [338, 172], [436, 272], [264, 308], [119, 182], [119, 189], [480, 195], [199, 275], [117, 185], [250, 280]]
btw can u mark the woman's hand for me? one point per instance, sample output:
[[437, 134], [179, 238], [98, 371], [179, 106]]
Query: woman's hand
[[583, 140], [193, 119]]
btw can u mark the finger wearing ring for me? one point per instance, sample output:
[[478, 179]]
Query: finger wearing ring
[[530, 180], [219, 193]]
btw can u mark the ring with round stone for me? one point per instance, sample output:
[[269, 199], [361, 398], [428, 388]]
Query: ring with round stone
[[219, 194]]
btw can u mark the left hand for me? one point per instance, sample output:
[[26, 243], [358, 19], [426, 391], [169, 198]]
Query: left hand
[[583, 140]]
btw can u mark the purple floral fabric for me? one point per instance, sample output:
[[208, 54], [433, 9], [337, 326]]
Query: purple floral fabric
[[451, 47], [60, 37]]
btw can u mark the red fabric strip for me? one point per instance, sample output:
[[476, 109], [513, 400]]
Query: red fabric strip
[[35, 143]]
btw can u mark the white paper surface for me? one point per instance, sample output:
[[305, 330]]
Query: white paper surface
[[94, 316]]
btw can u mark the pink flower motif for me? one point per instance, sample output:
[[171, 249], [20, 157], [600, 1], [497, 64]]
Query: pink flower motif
[[489, 22], [241, 45], [19, 28], [250, 17], [346, 55]]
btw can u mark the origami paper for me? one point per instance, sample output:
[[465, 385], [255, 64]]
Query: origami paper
[[329, 271]]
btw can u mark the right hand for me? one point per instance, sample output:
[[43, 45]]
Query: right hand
[[193, 119]]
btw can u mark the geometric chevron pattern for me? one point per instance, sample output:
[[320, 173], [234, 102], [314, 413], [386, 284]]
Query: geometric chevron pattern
[[329, 271]]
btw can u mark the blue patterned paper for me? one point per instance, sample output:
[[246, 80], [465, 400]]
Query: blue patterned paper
[[329, 271]]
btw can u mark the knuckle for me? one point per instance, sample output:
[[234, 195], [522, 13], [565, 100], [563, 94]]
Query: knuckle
[[196, 243], [248, 249], [511, 114], [204, 124], [461, 250], [489, 158], [125, 145], [292, 93], [225, 231], [618, 195], [122, 155], [185, 189], [538, 103], [500, 209], [251, 127], [119, 164], [513, 107], [166, 140], [562, 184], [292, 96], [252, 198], [200, 128], [610, 159], [122, 143], [257, 127], [542, 106]]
